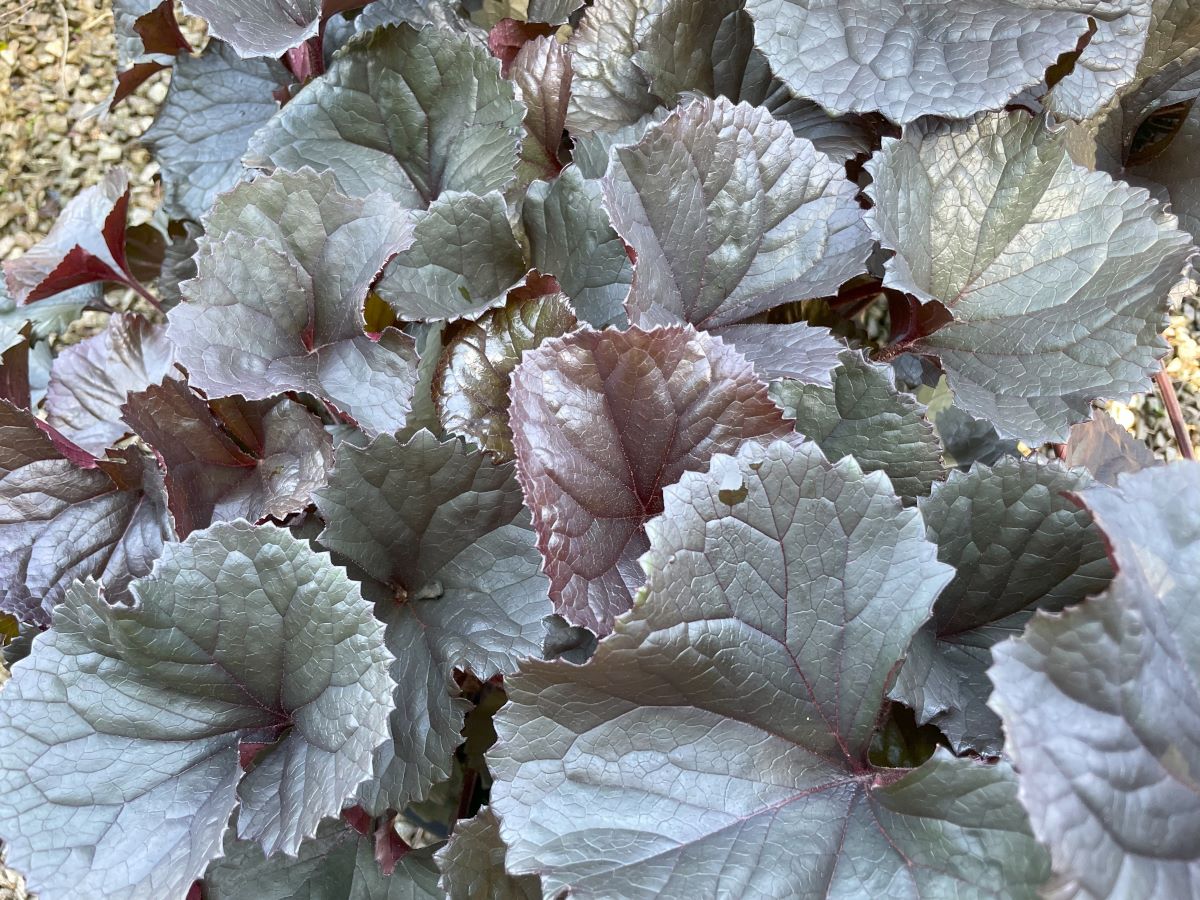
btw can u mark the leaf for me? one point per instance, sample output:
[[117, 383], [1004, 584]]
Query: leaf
[[254, 28], [14, 365], [965, 439], [570, 238], [603, 421], [90, 380], [794, 350], [542, 73], [463, 260], [441, 531], [910, 58], [412, 113], [239, 460], [608, 90], [1100, 703], [472, 863], [1106, 449], [864, 416], [1108, 63], [728, 718], [591, 150], [508, 36], [431, 344], [120, 731], [86, 244], [147, 38], [217, 100], [53, 315], [1057, 278], [283, 271], [179, 261], [1018, 544], [553, 12], [110, 514], [730, 215], [338, 862], [473, 375]]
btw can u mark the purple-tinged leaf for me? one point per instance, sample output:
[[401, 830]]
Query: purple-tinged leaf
[[731, 214], [216, 101], [66, 516], [1106, 449], [473, 375], [89, 381], [727, 720], [14, 364], [1018, 543], [284, 269], [449, 556], [86, 244], [235, 460], [119, 751], [148, 39], [541, 70], [508, 36], [1101, 706], [337, 862], [602, 422], [410, 112], [1058, 279]]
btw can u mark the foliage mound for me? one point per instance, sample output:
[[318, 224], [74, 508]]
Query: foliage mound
[[634, 448]]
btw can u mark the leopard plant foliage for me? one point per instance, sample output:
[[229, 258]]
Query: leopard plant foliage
[[623, 448]]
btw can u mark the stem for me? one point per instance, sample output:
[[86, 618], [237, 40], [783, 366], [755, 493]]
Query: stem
[[1171, 401], [138, 288], [468, 793]]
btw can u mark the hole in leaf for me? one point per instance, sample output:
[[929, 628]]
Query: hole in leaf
[[732, 497], [1156, 132]]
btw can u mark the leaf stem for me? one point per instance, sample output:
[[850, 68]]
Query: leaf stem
[[1175, 413], [140, 289]]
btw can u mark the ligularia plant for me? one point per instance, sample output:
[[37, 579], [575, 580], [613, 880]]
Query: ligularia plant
[[633, 448]]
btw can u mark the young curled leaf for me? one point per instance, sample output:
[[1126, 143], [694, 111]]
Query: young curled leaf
[[232, 459], [86, 244], [473, 375]]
